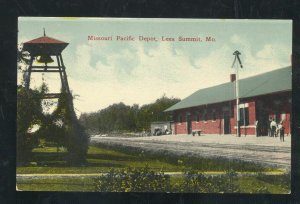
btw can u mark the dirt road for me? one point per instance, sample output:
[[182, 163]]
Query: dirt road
[[265, 150]]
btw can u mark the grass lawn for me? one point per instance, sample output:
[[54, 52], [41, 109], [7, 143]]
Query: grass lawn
[[100, 159], [58, 184], [47, 160], [248, 184]]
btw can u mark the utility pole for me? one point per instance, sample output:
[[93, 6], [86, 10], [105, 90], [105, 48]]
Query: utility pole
[[236, 54]]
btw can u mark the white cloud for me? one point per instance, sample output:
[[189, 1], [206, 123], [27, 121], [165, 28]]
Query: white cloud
[[216, 66], [160, 71], [270, 57], [235, 39], [146, 82], [267, 52]]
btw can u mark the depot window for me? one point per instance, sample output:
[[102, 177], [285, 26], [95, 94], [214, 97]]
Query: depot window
[[244, 116], [204, 116], [179, 119], [197, 116], [214, 115]]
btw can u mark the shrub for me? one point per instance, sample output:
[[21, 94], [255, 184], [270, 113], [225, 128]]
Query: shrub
[[133, 180], [144, 180], [195, 182]]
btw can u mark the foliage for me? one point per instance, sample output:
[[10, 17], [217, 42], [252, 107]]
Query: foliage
[[75, 137], [121, 117], [26, 118], [22, 56], [61, 127], [195, 182], [144, 180], [133, 180], [154, 112]]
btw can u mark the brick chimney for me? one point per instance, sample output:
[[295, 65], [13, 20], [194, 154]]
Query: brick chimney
[[232, 77]]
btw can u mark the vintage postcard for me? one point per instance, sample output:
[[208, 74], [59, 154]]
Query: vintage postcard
[[154, 105]]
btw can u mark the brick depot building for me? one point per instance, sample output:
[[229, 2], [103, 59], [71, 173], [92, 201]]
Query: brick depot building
[[213, 110]]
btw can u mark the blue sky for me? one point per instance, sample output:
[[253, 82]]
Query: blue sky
[[106, 72]]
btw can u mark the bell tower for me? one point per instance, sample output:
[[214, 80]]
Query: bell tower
[[45, 56], [42, 50]]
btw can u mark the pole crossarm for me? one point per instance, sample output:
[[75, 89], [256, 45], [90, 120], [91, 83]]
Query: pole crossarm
[[237, 58]]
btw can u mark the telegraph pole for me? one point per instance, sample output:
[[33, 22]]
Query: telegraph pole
[[236, 54]]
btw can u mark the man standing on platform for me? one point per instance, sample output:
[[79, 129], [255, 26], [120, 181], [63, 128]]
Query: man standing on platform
[[269, 127], [273, 126]]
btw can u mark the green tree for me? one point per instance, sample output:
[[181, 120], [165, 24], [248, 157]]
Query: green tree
[[121, 117], [75, 137], [26, 119], [155, 112]]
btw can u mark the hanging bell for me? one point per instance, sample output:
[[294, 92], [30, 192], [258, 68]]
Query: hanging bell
[[44, 59]]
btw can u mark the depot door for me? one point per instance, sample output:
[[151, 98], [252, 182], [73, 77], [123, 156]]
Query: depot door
[[226, 123], [263, 123], [189, 124]]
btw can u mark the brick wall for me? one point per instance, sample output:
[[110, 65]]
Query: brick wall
[[180, 127], [211, 126]]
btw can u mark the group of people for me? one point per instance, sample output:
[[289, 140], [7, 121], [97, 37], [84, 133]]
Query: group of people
[[276, 129]]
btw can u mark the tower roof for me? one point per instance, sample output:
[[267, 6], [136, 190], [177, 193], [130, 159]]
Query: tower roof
[[45, 40], [44, 46]]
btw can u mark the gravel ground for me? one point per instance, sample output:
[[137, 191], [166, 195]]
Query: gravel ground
[[262, 150]]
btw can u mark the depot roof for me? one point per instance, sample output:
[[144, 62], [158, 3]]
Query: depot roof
[[270, 82]]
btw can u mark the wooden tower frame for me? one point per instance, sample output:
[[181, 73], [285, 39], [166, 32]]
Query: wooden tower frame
[[46, 46], [60, 68]]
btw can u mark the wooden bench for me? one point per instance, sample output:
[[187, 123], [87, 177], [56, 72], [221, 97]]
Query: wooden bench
[[196, 131]]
